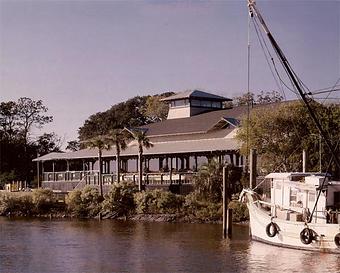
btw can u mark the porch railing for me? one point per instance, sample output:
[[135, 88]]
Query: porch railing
[[92, 177]]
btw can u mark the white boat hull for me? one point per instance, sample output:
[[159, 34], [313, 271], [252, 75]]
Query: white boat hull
[[288, 232]]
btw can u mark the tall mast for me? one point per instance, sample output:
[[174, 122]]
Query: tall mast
[[253, 10]]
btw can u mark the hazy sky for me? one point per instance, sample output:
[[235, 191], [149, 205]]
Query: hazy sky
[[81, 57]]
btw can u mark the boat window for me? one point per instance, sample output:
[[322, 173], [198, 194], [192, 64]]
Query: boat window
[[311, 197], [293, 195], [278, 185]]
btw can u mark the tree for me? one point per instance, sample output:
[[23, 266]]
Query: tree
[[17, 119], [155, 109], [118, 139], [101, 143], [279, 133], [244, 99], [48, 143], [8, 121], [30, 114], [208, 181], [134, 112], [73, 145], [268, 97], [142, 142], [262, 98]]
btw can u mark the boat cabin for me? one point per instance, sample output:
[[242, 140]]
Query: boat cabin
[[294, 195]]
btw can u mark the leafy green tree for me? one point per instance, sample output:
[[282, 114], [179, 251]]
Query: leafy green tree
[[155, 109], [268, 97], [118, 138], [17, 119], [131, 113], [31, 114], [142, 141], [73, 145], [279, 133], [120, 199], [262, 98], [48, 143], [100, 143], [8, 121], [208, 181]]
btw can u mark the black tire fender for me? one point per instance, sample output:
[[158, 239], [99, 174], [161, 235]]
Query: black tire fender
[[271, 229], [337, 240], [307, 236]]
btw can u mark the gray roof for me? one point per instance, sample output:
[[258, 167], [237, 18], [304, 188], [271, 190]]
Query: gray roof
[[195, 94], [193, 134], [159, 148], [195, 124]]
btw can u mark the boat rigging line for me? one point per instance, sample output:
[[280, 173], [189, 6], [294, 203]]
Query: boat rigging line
[[297, 83]]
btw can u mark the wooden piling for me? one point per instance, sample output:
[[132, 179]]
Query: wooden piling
[[227, 213]]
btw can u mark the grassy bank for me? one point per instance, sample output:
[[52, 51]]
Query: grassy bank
[[122, 201]]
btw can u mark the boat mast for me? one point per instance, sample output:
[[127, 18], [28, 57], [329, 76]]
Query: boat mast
[[253, 10]]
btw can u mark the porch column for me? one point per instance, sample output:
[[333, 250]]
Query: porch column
[[38, 174], [53, 170], [176, 163], [187, 163], [182, 162], [160, 163], [196, 167], [170, 172]]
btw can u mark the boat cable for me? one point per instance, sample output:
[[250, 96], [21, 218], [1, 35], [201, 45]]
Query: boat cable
[[263, 45], [298, 84], [322, 185], [336, 83]]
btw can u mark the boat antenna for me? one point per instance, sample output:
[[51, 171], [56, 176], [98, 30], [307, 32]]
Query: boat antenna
[[291, 74]]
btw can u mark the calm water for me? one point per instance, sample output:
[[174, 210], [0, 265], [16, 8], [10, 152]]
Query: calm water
[[114, 246]]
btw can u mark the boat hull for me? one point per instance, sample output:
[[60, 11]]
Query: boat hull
[[287, 233]]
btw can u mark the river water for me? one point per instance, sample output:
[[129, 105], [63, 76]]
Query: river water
[[35, 245]]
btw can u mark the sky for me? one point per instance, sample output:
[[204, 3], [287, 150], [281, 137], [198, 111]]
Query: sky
[[82, 57]]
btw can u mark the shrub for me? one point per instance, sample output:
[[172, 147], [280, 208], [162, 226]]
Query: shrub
[[43, 200], [16, 204], [201, 209], [120, 199], [85, 203], [240, 211], [158, 201]]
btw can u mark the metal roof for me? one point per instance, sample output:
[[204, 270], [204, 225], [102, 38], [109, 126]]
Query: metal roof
[[195, 94], [159, 148]]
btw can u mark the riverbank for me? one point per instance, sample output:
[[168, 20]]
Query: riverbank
[[122, 202]]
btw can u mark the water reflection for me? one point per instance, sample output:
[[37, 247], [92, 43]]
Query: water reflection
[[116, 246]]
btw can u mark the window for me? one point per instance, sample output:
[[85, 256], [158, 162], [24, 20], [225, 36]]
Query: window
[[293, 195], [311, 197], [179, 103], [216, 104]]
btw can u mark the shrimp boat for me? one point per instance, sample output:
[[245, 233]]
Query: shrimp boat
[[303, 211], [286, 220]]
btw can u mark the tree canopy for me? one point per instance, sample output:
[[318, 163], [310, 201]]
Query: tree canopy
[[280, 132], [17, 146], [134, 112]]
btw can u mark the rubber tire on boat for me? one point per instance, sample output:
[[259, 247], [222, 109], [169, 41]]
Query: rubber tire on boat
[[306, 236], [271, 229], [337, 240]]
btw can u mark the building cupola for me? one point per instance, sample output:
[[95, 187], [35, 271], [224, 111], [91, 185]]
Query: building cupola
[[193, 102]]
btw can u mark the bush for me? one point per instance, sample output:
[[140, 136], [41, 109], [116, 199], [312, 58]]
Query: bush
[[120, 199], [43, 201], [85, 203], [201, 209], [16, 204], [240, 211], [158, 201]]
